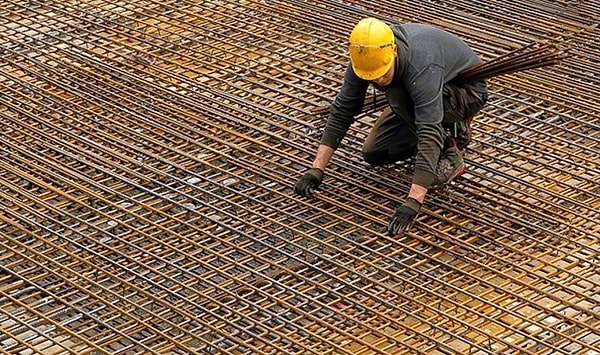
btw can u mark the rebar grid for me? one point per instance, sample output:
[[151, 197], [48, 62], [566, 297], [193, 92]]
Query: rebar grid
[[148, 153]]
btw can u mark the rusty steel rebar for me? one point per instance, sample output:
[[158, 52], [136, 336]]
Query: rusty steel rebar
[[532, 56], [148, 153]]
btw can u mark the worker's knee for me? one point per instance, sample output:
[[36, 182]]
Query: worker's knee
[[374, 158], [387, 156]]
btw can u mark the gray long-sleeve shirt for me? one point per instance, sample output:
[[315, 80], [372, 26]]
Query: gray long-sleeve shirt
[[427, 58]]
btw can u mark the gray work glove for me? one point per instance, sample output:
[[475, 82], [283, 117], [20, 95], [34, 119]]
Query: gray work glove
[[309, 182], [405, 217]]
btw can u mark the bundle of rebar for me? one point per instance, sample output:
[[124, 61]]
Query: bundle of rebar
[[532, 56]]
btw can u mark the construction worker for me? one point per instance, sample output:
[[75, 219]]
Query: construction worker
[[428, 118]]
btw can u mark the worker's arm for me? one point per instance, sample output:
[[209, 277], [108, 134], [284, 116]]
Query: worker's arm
[[346, 105], [323, 157], [417, 192], [427, 97]]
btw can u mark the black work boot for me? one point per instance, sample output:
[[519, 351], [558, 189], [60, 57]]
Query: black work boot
[[450, 166], [462, 133]]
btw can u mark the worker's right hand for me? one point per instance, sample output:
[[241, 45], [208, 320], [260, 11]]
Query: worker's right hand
[[405, 217], [309, 182]]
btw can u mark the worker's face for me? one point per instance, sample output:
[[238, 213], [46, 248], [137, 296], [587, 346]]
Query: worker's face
[[386, 79]]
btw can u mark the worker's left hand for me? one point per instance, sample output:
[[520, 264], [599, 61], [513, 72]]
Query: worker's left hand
[[405, 217]]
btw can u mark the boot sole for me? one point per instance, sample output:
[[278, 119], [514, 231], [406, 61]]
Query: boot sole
[[458, 173]]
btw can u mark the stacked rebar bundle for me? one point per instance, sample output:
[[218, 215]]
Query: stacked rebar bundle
[[532, 56]]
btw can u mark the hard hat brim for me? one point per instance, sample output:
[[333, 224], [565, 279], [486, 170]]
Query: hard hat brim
[[374, 74]]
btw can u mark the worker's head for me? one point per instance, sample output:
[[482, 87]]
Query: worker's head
[[372, 49]]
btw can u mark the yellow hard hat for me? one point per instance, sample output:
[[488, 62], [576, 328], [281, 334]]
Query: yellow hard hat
[[371, 48]]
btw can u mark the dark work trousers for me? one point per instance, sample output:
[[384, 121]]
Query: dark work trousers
[[393, 137]]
